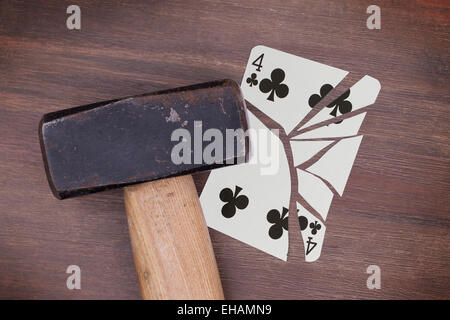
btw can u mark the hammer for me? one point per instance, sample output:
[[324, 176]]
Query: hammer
[[137, 143]]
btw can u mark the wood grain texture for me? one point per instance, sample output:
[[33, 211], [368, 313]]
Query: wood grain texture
[[394, 212], [172, 249]]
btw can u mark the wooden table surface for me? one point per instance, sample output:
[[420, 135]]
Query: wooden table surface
[[394, 212]]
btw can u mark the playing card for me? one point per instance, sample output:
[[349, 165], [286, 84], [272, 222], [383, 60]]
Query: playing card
[[249, 202], [280, 84]]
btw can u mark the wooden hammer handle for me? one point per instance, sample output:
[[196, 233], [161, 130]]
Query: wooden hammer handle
[[171, 245]]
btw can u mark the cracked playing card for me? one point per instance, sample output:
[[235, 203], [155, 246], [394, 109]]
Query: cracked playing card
[[236, 200], [250, 202]]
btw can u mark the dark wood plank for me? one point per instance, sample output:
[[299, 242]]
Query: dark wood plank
[[394, 212]]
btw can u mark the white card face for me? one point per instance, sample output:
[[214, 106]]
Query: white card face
[[336, 164], [313, 233], [280, 84], [304, 150], [248, 201]]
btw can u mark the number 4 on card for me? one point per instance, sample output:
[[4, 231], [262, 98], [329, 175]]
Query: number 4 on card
[[258, 62]]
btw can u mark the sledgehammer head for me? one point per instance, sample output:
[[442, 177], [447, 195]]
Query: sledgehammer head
[[120, 142]]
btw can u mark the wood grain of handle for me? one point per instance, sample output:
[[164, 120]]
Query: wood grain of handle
[[171, 244]]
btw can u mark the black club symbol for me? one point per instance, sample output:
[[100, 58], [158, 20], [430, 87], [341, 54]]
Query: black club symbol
[[315, 98], [279, 221], [303, 221], [252, 81], [344, 106], [233, 201], [315, 226], [274, 85]]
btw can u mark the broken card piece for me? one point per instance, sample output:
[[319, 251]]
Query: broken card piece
[[280, 84], [336, 164], [315, 192], [249, 201], [304, 150], [360, 95], [313, 232], [347, 128]]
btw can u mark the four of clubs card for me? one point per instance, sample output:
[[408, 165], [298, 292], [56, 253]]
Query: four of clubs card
[[250, 205]]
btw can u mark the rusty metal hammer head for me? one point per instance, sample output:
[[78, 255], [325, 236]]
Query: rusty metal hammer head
[[127, 141]]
